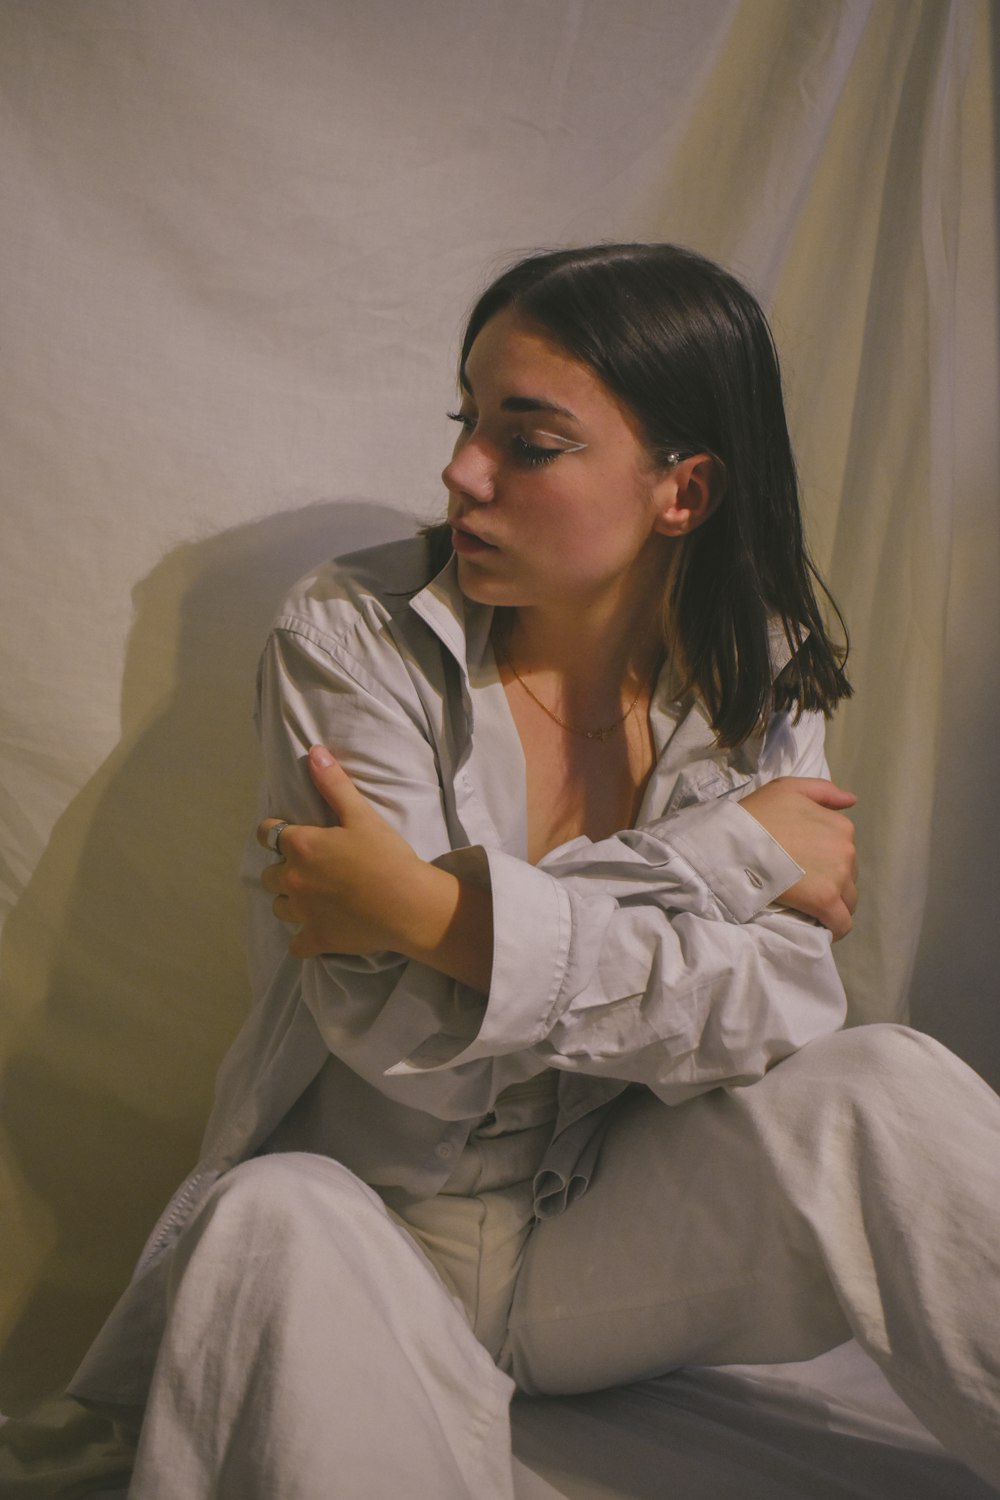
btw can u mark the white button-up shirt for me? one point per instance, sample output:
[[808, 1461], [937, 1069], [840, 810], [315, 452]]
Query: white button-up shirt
[[655, 957]]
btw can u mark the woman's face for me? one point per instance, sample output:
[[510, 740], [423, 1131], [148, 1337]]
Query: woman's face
[[552, 497]]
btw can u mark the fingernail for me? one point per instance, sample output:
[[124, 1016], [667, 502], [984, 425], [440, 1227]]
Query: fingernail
[[320, 756]]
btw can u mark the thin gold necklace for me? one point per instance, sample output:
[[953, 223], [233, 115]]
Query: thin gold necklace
[[586, 734]]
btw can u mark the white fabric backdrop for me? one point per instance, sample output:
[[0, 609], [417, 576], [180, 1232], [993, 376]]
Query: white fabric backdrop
[[239, 241]]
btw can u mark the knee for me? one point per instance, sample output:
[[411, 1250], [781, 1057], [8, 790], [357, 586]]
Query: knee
[[276, 1195], [885, 1056], [883, 1070], [879, 1051]]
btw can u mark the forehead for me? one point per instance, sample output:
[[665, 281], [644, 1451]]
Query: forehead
[[512, 361], [515, 365]]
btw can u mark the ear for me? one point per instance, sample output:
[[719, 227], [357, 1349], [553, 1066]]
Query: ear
[[688, 494]]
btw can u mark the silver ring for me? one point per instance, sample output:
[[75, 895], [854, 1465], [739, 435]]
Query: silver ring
[[273, 838]]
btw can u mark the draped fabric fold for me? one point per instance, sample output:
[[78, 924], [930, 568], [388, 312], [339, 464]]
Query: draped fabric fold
[[239, 241]]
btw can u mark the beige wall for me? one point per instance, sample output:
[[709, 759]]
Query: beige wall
[[239, 240]]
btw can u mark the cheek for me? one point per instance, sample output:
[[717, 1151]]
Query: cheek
[[601, 534], [563, 531], [579, 550], [581, 526]]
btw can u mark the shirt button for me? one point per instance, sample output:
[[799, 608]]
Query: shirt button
[[443, 1150], [754, 879]]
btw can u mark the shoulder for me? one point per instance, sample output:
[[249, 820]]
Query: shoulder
[[793, 745], [349, 627], [369, 588]]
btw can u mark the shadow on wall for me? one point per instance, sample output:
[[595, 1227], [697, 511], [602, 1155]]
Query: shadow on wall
[[123, 958]]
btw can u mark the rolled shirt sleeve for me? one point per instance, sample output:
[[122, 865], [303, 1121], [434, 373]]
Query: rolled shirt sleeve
[[640, 990], [667, 961], [648, 957]]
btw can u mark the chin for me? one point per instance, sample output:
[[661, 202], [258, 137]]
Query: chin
[[478, 586]]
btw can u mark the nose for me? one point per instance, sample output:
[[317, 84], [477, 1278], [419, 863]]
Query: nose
[[471, 472]]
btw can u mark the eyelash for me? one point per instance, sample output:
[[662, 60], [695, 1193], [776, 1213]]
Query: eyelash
[[526, 453]]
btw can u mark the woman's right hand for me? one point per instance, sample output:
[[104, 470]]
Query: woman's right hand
[[806, 817]]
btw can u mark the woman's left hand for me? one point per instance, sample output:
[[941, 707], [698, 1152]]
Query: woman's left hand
[[805, 814], [352, 888]]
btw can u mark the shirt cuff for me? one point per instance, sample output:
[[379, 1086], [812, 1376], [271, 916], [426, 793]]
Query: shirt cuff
[[744, 867], [532, 925]]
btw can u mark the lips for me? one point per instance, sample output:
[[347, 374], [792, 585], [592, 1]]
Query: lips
[[466, 541]]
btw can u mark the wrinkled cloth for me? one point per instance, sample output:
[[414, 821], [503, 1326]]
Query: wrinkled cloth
[[315, 1340], [656, 957]]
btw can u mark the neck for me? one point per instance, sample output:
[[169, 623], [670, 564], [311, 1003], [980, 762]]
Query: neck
[[589, 661]]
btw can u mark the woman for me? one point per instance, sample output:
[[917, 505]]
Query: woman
[[550, 1087]]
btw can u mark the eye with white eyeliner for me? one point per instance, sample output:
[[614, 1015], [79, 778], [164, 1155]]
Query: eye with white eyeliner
[[532, 455]]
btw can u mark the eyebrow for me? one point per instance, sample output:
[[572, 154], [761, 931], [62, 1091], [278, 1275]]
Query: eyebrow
[[536, 403], [527, 403]]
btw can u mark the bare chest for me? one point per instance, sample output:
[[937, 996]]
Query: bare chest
[[577, 785]]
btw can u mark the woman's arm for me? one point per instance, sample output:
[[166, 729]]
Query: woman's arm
[[696, 998], [408, 980], [359, 887], [621, 985], [361, 664], [805, 816]]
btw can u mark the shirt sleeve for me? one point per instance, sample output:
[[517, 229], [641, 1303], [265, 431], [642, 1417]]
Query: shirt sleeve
[[725, 863], [652, 979], [609, 936], [374, 1009], [370, 1009], [724, 845]]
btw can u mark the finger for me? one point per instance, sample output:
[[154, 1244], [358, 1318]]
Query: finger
[[826, 793], [841, 923], [273, 877], [265, 833], [282, 909], [334, 785]]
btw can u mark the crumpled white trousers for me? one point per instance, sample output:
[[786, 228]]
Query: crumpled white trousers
[[312, 1349]]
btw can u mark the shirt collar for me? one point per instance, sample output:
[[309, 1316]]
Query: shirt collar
[[464, 628], [460, 624]]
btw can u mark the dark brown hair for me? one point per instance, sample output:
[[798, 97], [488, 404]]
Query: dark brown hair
[[689, 351]]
